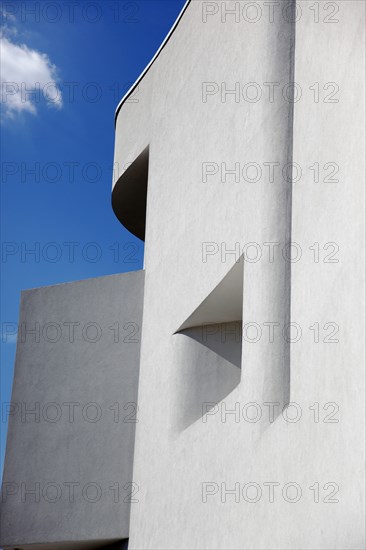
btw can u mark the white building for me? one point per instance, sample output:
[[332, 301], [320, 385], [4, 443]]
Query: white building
[[243, 142]]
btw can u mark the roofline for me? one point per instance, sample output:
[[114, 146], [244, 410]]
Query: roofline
[[134, 86]]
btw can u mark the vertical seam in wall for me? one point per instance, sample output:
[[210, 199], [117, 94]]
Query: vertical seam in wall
[[289, 194]]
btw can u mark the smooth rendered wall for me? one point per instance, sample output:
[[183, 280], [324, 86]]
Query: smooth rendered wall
[[328, 362], [68, 466], [304, 466]]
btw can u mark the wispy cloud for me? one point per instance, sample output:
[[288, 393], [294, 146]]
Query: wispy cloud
[[27, 77]]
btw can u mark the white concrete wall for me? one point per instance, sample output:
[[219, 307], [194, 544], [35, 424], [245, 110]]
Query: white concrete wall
[[79, 373], [184, 212]]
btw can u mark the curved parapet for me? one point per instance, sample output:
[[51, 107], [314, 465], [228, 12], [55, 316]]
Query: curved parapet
[[131, 147], [135, 85]]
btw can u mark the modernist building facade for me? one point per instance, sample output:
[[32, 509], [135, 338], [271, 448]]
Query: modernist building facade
[[226, 411]]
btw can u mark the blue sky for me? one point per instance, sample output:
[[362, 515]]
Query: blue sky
[[57, 143]]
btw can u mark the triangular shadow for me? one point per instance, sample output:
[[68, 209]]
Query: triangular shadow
[[209, 345]]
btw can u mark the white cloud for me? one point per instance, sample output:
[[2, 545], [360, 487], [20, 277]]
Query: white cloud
[[27, 76]]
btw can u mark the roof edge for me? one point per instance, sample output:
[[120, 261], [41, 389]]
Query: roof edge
[[138, 80]]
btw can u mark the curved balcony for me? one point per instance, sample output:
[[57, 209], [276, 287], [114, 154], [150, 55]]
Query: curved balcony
[[129, 195], [132, 134]]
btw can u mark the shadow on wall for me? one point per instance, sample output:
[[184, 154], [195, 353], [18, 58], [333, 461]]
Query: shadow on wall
[[208, 351], [121, 545], [129, 196], [209, 367], [82, 545], [209, 345]]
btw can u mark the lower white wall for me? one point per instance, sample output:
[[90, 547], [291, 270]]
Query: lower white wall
[[68, 466]]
